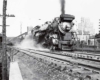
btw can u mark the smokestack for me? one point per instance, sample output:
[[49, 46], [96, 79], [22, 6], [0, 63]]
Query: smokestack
[[62, 6]]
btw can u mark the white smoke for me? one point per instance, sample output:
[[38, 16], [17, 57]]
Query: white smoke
[[26, 43], [29, 43]]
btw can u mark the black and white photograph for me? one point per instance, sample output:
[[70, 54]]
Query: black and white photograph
[[49, 40]]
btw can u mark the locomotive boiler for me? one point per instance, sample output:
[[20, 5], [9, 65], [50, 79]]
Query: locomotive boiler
[[57, 35]]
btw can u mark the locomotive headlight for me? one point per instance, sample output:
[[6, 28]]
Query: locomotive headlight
[[66, 26]]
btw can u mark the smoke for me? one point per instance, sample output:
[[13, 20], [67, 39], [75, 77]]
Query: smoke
[[62, 6], [30, 43], [26, 43]]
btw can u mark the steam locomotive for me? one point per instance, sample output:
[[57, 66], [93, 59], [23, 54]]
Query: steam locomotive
[[57, 35]]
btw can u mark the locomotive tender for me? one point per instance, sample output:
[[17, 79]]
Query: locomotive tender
[[57, 35]]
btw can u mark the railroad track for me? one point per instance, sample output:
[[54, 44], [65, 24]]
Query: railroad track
[[79, 54], [75, 65]]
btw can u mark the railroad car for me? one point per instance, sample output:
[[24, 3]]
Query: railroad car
[[56, 35]]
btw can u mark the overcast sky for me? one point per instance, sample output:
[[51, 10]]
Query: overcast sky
[[28, 12]]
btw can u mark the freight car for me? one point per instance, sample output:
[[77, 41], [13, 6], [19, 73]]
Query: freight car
[[57, 35]]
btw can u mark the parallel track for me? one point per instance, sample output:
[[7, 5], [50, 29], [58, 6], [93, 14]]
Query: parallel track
[[78, 58], [77, 54]]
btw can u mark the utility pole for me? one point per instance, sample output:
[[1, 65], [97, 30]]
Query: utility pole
[[4, 54], [82, 24]]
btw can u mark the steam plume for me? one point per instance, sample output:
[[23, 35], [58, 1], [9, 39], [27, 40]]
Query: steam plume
[[29, 43], [62, 6]]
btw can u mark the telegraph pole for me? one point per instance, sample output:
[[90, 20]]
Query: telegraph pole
[[4, 54]]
